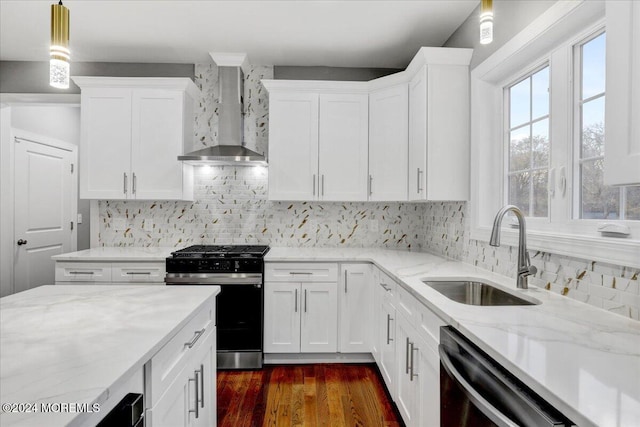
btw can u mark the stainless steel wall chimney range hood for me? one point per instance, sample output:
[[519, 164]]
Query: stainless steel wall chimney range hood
[[231, 149]]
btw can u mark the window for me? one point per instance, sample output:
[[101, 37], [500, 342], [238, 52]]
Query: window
[[528, 144], [537, 138], [594, 200]]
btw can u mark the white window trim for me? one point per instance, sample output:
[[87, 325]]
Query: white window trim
[[564, 22]]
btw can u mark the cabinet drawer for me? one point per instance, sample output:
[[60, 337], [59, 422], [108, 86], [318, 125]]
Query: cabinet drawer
[[390, 287], [169, 361], [301, 272], [407, 304], [83, 272], [429, 324], [138, 272]]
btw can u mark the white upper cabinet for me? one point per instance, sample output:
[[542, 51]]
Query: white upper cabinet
[[293, 145], [622, 109], [388, 143], [439, 132], [317, 142], [343, 143], [133, 130], [400, 137]]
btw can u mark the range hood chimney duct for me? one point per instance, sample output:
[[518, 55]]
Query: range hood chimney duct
[[230, 149]]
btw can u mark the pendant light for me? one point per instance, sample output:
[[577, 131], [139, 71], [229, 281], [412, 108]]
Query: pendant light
[[59, 55], [486, 22]]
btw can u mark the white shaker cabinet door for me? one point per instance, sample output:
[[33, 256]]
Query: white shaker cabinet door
[[355, 308], [105, 144], [388, 143], [282, 317], [407, 387], [427, 370], [156, 143], [343, 147], [293, 146], [387, 343], [319, 311]]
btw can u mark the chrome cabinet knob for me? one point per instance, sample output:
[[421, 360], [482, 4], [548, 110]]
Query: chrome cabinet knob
[[21, 242]]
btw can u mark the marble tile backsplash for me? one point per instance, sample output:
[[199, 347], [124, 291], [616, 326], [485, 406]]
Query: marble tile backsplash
[[611, 287], [231, 207]]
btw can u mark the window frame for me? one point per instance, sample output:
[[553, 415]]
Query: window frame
[[550, 38]]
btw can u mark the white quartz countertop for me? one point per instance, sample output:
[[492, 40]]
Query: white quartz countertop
[[118, 254], [75, 344], [583, 360]]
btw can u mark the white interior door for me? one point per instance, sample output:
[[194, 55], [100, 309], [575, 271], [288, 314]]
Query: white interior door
[[45, 205]]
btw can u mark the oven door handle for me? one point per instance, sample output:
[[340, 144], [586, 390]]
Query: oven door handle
[[481, 403], [213, 279]]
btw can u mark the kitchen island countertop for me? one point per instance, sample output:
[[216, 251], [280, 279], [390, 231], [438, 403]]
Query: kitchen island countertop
[[583, 360], [76, 344]]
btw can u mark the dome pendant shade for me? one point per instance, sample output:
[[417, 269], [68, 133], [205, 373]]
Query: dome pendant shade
[[59, 55]]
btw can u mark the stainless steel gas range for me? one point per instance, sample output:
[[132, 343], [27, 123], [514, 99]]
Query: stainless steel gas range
[[239, 271]]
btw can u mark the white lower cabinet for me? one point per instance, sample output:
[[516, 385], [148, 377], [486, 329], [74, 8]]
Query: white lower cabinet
[[407, 352], [407, 389], [300, 317], [387, 344], [355, 308], [190, 399], [101, 272], [180, 389]]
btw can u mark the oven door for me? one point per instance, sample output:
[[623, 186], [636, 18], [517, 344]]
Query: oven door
[[475, 391]]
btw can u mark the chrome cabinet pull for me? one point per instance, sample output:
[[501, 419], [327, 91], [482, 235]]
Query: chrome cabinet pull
[[406, 362], [389, 319], [201, 385], [21, 242], [314, 184], [323, 184], [385, 287], [418, 189], [196, 410], [412, 375], [81, 272], [370, 184], [134, 183], [293, 273], [345, 281], [296, 301], [125, 183], [305, 300], [195, 338], [141, 273]]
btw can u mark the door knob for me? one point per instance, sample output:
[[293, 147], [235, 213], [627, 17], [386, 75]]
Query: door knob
[[22, 242]]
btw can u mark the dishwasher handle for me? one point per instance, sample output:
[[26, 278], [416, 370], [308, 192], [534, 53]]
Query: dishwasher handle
[[480, 402]]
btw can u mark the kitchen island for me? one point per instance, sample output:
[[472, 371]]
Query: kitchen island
[[77, 350]]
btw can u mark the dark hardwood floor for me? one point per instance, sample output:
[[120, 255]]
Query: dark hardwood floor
[[304, 395]]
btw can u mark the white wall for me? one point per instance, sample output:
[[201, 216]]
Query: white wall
[[59, 122]]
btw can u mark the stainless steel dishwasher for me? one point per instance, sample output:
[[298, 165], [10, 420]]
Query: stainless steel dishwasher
[[475, 391]]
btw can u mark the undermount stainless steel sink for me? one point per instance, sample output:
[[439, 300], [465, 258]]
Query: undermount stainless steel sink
[[475, 293]]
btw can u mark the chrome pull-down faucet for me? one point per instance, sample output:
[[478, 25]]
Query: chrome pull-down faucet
[[525, 269]]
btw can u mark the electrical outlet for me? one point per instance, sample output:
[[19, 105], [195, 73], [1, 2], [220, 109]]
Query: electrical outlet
[[373, 225]]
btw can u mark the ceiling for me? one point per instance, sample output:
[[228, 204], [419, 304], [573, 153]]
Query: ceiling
[[342, 33]]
